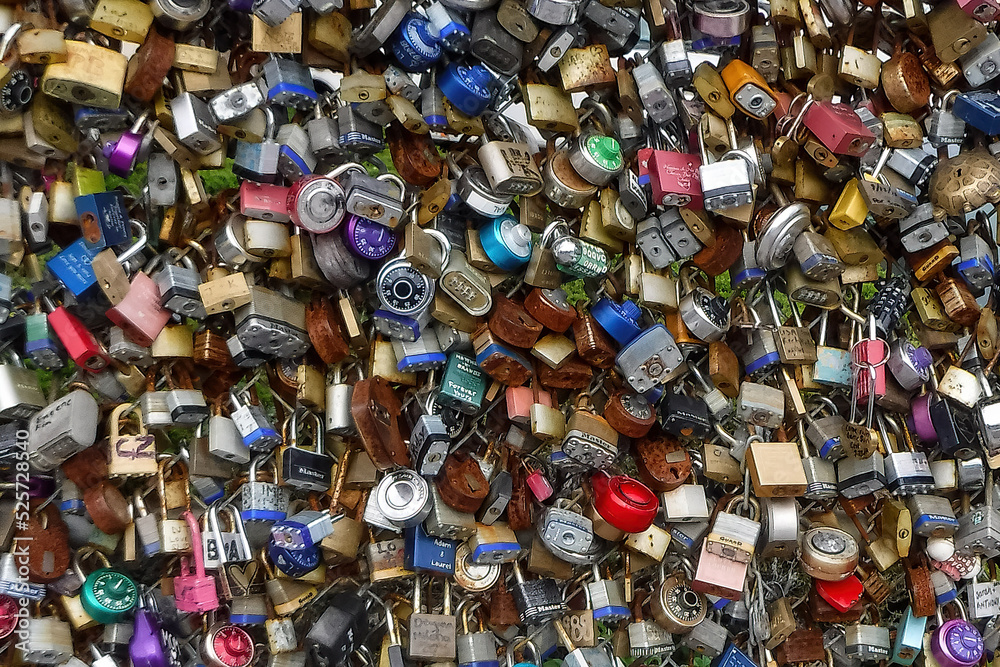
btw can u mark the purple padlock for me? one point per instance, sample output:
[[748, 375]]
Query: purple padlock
[[147, 647], [123, 153], [956, 642], [367, 238], [41, 486], [920, 418]]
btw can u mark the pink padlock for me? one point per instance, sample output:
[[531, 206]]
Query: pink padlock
[[538, 484], [838, 128], [983, 11], [264, 201], [140, 314], [519, 401], [674, 179], [194, 593]]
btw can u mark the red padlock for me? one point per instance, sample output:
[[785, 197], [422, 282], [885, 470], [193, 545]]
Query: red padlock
[[674, 179], [624, 502], [868, 357], [264, 201], [841, 595], [81, 345], [838, 128]]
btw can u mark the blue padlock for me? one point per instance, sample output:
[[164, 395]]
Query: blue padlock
[[909, 638], [103, 219], [496, 348], [619, 320], [293, 562], [424, 553], [420, 355], [506, 242], [72, 268], [734, 657], [415, 43], [103, 120], [980, 109], [470, 89]]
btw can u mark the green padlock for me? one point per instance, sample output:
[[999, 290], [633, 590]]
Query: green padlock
[[107, 594]]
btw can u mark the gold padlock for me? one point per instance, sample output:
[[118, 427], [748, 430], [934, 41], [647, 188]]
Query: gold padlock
[[128, 20], [91, 75], [586, 69]]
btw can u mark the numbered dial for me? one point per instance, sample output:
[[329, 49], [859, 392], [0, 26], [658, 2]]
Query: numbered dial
[[706, 315], [228, 646], [108, 595], [678, 607], [453, 418], [630, 414], [17, 92], [368, 238], [402, 289]]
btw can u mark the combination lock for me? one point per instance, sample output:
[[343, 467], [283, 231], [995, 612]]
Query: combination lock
[[829, 554], [453, 418], [17, 92], [107, 595], [705, 314], [228, 645], [367, 238], [890, 303], [402, 289], [677, 606]]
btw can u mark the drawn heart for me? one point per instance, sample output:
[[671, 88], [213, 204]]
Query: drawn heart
[[247, 577]]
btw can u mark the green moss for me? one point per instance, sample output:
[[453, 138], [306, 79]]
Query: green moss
[[217, 180]]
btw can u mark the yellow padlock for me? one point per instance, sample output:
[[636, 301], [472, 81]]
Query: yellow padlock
[[850, 210]]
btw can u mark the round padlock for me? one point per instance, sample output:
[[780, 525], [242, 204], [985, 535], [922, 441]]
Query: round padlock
[[403, 497], [828, 553], [625, 503], [317, 203], [227, 645]]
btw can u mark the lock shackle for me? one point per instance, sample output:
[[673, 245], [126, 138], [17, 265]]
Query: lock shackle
[[8, 39], [195, 530], [161, 480], [705, 384], [773, 305], [139, 502], [135, 248], [452, 163], [800, 428], [139, 122], [342, 169], [938, 613], [255, 464], [884, 433], [949, 96], [216, 528], [443, 242], [749, 504], [605, 123], [726, 436], [551, 230], [270, 124]]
